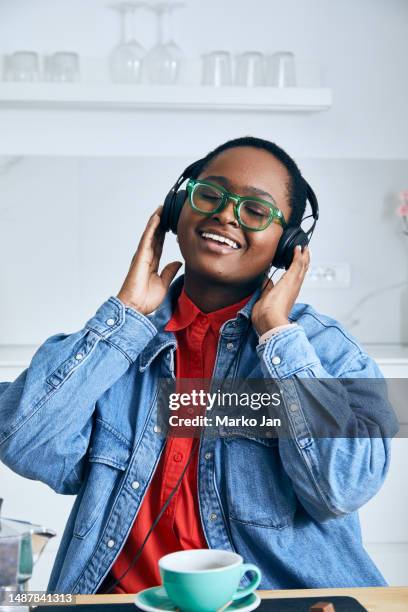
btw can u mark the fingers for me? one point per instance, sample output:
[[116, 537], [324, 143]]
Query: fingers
[[300, 262], [152, 225], [169, 272], [157, 242], [145, 250]]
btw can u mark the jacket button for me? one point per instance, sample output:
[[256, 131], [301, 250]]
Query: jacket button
[[110, 322], [79, 356], [213, 516], [230, 346], [157, 429], [276, 360], [293, 407], [111, 543], [208, 455], [135, 484]]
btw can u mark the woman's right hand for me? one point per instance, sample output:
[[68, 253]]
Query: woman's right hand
[[143, 288]]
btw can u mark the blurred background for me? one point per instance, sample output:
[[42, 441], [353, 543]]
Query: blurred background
[[102, 105]]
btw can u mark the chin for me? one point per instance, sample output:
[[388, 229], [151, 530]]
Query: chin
[[215, 272]]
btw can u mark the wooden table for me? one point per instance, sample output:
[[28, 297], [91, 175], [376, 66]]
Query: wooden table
[[386, 599]]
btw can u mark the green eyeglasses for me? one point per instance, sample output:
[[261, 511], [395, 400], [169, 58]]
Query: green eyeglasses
[[251, 213]]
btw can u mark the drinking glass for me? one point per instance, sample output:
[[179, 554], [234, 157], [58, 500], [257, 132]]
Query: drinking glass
[[163, 60], [217, 69], [280, 70], [62, 67], [21, 66], [126, 59], [250, 70]]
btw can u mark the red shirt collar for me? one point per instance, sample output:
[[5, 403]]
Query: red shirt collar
[[186, 312]]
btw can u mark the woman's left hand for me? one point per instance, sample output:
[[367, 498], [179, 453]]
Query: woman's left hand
[[276, 301]]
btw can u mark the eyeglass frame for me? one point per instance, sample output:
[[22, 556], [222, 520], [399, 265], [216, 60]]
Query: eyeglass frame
[[275, 213]]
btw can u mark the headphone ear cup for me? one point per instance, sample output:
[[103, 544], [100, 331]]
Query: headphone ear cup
[[178, 203], [167, 211], [290, 239], [173, 203]]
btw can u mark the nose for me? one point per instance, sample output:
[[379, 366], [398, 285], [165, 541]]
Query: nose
[[227, 215]]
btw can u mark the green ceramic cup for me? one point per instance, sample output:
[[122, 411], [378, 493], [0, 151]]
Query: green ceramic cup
[[204, 580]]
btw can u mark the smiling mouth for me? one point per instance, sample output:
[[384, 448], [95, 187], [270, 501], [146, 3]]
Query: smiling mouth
[[218, 239]]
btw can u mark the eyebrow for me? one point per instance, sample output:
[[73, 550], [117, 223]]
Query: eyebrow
[[225, 182]]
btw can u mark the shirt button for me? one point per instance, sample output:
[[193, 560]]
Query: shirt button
[[157, 429], [79, 356], [111, 543], [190, 410], [110, 322], [177, 457], [135, 484], [208, 455], [293, 407], [276, 360], [230, 346], [213, 516]]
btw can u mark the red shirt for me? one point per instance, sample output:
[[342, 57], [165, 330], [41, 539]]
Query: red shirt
[[180, 526]]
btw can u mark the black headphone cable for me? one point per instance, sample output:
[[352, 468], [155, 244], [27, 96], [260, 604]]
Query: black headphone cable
[[156, 520]]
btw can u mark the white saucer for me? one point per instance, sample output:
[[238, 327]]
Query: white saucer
[[156, 599]]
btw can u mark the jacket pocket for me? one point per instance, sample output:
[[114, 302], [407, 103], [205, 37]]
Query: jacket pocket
[[108, 457], [259, 492]]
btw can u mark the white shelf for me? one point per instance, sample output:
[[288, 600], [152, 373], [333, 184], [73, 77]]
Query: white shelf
[[180, 97]]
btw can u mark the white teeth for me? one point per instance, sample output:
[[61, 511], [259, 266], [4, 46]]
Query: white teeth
[[218, 238]]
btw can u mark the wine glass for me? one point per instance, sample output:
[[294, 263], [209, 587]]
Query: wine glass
[[163, 60], [171, 45], [126, 60]]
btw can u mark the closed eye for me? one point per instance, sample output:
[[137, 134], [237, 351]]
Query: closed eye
[[257, 211]]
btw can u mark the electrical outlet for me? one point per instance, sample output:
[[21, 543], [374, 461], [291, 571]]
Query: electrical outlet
[[328, 276]]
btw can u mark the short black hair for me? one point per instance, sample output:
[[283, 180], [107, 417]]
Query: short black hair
[[296, 185]]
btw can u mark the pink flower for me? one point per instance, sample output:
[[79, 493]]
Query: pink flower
[[403, 196], [402, 210]]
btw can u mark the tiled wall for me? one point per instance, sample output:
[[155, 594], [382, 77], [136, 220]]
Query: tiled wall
[[69, 227]]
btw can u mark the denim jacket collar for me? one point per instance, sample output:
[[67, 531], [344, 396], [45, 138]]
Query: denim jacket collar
[[161, 316]]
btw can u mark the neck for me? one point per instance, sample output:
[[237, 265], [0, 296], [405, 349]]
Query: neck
[[210, 295]]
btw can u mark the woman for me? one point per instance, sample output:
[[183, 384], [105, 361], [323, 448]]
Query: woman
[[83, 416]]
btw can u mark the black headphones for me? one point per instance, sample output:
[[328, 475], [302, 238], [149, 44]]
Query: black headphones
[[291, 237]]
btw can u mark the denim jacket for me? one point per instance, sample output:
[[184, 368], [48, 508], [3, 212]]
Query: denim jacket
[[82, 419]]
